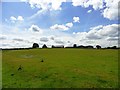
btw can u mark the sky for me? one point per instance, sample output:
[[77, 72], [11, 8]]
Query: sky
[[59, 22]]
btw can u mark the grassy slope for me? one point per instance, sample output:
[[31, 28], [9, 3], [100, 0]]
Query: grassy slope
[[61, 68]]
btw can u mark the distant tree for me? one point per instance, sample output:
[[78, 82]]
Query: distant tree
[[53, 46], [89, 47], [108, 47], [98, 46], [44, 46], [81, 46], [114, 47], [60, 46], [75, 46], [35, 45]]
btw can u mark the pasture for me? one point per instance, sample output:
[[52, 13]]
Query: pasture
[[60, 68]]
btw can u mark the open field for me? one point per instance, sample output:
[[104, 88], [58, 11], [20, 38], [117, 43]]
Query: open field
[[61, 68]]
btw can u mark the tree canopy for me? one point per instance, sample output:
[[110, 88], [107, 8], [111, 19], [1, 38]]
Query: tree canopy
[[35, 45]]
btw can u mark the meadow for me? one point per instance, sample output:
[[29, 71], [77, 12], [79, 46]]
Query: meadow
[[60, 68]]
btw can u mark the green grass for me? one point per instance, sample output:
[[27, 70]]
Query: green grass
[[0, 69], [62, 68]]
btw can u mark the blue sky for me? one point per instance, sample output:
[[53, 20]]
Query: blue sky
[[87, 22]]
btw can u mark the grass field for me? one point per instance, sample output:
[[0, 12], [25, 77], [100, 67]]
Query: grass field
[[61, 68]]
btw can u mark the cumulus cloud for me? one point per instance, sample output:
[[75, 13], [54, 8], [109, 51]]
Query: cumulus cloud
[[109, 30], [93, 35], [96, 4], [35, 28], [44, 39], [104, 35], [76, 19], [59, 27], [100, 31], [67, 26], [79, 2], [46, 4], [20, 18], [109, 8], [56, 4], [14, 19]]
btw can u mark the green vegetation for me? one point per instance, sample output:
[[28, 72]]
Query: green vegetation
[[0, 69], [61, 68]]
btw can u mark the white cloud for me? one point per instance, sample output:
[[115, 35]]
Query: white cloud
[[112, 38], [109, 30], [78, 2], [89, 11], [92, 34], [44, 39], [59, 27], [56, 4], [76, 19], [46, 4], [20, 18], [59, 42], [96, 4], [103, 35], [109, 8], [92, 37], [14, 19], [100, 31], [35, 28], [67, 26]]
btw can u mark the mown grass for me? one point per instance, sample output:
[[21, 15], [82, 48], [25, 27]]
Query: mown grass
[[61, 68]]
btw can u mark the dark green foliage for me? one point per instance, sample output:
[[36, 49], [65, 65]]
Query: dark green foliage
[[44, 46], [98, 46], [35, 45]]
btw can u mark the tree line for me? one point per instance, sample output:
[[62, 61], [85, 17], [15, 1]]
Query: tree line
[[35, 45]]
